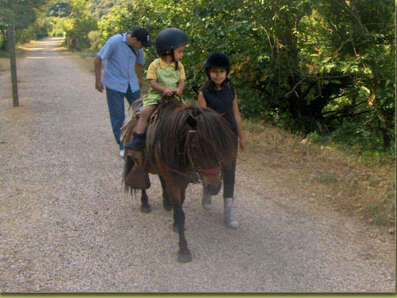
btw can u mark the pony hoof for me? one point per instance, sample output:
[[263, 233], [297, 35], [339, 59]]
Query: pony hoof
[[184, 257], [206, 201], [146, 209], [206, 205]]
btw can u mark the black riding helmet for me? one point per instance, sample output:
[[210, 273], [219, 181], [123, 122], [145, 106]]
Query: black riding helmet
[[217, 59], [169, 39]]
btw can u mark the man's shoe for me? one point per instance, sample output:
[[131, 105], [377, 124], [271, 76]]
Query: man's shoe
[[121, 153]]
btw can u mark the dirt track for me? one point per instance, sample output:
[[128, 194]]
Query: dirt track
[[67, 226]]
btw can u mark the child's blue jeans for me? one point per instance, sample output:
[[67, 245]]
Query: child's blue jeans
[[115, 101]]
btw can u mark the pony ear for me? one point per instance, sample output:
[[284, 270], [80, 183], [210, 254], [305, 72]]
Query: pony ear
[[191, 121]]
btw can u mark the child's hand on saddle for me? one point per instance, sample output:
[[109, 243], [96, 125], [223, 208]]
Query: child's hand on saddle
[[168, 92]]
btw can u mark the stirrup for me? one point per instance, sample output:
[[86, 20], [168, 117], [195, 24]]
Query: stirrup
[[137, 178], [135, 155], [137, 142]]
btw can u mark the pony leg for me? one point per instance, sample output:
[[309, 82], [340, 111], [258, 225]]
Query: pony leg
[[166, 200], [176, 192], [184, 254], [145, 206], [206, 198]]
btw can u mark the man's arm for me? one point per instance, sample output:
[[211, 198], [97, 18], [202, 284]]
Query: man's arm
[[98, 70]]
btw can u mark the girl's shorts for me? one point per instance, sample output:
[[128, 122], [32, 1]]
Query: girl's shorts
[[151, 99]]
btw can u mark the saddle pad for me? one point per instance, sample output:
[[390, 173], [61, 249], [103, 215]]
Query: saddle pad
[[138, 178]]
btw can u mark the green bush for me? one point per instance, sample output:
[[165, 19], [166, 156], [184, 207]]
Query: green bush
[[79, 31], [2, 41], [250, 103], [94, 38], [359, 137], [290, 65]]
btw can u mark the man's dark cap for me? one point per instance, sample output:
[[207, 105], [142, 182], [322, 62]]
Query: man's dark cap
[[142, 35]]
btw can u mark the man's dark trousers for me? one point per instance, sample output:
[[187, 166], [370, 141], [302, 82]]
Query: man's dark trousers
[[115, 101]]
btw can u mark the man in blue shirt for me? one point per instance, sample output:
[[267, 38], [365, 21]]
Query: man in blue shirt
[[122, 74]]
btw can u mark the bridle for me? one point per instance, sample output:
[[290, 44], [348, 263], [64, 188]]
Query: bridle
[[211, 171], [188, 137]]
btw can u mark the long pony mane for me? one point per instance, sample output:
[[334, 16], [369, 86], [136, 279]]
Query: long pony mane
[[179, 124]]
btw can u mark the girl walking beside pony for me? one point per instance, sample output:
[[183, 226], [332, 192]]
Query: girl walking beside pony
[[219, 95]]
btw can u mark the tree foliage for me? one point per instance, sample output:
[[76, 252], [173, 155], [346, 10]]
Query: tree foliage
[[307, 65], [59, 8], [24, 14], [79, 23], [310, 66]]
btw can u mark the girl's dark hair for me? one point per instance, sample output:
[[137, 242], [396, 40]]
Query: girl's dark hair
[[173, 58], [210, 85]]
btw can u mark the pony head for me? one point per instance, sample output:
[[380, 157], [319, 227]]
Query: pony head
[[194, 139], [209, 144]]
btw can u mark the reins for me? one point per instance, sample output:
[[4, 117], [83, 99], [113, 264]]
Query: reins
[[187, 152], [187, 147], [211, 171]]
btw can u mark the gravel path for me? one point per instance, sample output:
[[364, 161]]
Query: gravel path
[[67, 226]]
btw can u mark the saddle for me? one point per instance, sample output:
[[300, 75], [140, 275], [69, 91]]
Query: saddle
[[138, 177]]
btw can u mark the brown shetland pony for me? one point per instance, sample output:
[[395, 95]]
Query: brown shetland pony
[[184, 144]]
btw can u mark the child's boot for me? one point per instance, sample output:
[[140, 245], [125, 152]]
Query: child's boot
[[136, 146], [228, 216], [137, 142]]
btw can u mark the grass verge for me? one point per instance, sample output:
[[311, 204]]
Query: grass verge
[[344, 180]]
